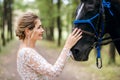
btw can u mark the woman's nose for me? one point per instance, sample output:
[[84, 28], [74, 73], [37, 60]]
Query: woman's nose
[[42, 30]]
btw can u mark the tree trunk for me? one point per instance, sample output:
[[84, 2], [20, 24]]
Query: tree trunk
[[11, 29], [3, 24], [112, 54], [9, 20], [50, 33], [1, 11], [59, 23]]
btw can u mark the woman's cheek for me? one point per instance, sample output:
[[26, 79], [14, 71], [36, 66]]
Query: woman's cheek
[[38, 35]]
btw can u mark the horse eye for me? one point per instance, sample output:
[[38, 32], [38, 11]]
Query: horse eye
[[90, 7]]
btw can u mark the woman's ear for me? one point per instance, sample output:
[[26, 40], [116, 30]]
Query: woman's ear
[[27, 31]]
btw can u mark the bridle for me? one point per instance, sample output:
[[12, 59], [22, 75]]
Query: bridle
[[98, 35]]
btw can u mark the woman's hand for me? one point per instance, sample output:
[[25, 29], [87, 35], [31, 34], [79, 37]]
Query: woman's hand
[[73, 38]]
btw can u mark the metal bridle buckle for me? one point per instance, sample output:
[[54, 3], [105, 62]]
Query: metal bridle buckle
[[99, 63]]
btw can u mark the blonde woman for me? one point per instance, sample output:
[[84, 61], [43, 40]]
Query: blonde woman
[[30, 64]]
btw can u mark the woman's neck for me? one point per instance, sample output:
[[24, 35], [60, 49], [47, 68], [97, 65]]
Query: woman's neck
[[28, 43]]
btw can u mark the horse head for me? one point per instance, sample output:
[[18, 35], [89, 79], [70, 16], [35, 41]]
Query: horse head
[[87, 19], [95, 18]]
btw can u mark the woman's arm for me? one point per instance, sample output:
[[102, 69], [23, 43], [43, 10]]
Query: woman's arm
[[41, 66]]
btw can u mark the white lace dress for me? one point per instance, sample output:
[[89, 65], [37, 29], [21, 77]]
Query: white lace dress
[[32, 66]]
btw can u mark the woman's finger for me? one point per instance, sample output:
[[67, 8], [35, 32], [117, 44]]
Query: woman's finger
[[80, 34], [79, 38], [74, 31], [77, 33]]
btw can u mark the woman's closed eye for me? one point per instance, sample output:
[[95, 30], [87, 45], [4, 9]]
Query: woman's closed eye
[[40, 26]]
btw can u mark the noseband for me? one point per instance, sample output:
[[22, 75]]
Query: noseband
[[97, 35]]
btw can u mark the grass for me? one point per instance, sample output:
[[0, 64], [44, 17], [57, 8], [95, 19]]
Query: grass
[[107, 72], [9, 46]]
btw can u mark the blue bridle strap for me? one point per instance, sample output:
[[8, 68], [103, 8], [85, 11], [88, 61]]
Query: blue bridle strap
[[89, 21], [107, 5]]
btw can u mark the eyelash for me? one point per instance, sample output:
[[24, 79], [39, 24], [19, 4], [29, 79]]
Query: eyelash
[[39, 27]]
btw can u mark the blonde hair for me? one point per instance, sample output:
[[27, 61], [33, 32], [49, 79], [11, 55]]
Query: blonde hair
[[26, 21]]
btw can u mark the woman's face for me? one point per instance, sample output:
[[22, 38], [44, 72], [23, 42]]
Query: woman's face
[[37, 32]]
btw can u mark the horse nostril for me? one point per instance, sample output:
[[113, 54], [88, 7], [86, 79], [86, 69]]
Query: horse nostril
[[76, 51]]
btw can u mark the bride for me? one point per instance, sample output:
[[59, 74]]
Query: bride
[[30, 64]]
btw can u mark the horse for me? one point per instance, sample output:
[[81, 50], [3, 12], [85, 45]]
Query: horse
[[96, 18]]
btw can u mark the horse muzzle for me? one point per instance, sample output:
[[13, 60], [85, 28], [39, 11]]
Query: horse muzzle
[[80, 55]]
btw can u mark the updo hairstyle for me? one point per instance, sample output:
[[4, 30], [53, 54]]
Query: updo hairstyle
[[26, 21]]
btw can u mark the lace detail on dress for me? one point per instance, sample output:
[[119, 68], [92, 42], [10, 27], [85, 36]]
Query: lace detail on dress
[[32, 66]]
